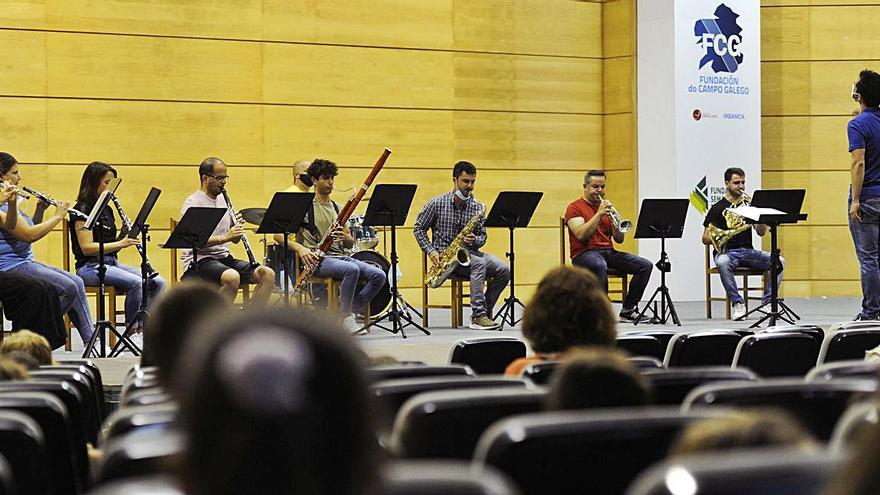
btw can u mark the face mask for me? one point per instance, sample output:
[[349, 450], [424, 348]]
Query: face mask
[[460, 195], [306, 179]]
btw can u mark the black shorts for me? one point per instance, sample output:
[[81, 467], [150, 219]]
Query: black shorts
[[212, 268]]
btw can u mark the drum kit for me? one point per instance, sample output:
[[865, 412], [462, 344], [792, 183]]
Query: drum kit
[[365, 241]]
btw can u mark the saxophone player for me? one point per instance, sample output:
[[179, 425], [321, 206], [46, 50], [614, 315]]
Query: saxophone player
[[591, 236], [215, 262], [738, 251], [446, 215]]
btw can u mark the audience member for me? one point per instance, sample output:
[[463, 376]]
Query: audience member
[[23, 359], [11, 370], [176, 313], [275, 402], [569, 309], [30, 343], [861, 474], [744, 429], [597, 377]]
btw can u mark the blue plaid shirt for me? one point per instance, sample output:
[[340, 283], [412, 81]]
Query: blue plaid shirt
[[446, 219]]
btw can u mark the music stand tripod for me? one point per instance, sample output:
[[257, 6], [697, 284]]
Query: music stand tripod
[[388, 207], [285, 216], [511, 210], [661, 219]]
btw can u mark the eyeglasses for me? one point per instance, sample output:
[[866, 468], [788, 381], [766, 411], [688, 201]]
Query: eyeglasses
[[219, 178], [855, 95]]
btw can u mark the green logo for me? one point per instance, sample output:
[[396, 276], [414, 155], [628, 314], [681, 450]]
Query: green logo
[[700, 197]]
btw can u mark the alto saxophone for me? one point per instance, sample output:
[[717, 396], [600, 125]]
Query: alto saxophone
[[454, 255]]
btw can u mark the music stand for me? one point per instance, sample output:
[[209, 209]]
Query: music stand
[[141, 228], [788, 201], [194, 230], [286, 214], [511, 210], [388, 207], [661, 219]]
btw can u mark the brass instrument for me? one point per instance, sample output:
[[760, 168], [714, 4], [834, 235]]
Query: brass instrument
[[42, 197], [735, 225], [621, 224], [454, 255], [126, 228], [244, 240]]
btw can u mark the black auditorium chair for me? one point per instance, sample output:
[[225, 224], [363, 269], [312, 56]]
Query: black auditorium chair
[[857, 418], [757, 472], [777, 354], [672, 385], [443, 478], [23, 445], [813, 330], [597, 452], [146, 397], [448, 424], [487, 355], [66, 393], [818, 405], [139, 453], [86, 388], [395, 371], [540, 373], [391, 394], [845, 369], [122, 421], [703, 348], [94, 375], [161, 484], [645, 362], [641, 345], [138, 381], [7, 478], [848, 344], [664, 336]]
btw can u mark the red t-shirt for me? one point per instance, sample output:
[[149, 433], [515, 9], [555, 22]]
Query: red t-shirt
[[600, 239]]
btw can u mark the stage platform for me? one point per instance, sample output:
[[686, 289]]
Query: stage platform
[[434, 348]]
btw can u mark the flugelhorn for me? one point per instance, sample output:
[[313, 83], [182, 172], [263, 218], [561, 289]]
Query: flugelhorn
[[244, 240], [53, 202]]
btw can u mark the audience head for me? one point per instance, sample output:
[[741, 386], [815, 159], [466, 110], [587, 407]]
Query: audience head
[[172, 319], [597, 377], [861, 474], [744, 429], [274, 402], [30, 343], [569, 309], [12, 370], [23, 359]]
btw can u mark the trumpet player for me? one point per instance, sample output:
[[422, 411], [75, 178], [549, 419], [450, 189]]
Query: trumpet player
[[738, 251], [215, 261], [593, 228], [446, 216], [95, 179]]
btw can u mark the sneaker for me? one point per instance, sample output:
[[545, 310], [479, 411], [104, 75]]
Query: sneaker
[[739, 310], [483, 322], [350, 323], [631, 314]]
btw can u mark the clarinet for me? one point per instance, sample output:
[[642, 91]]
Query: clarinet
[[42, 197], [244, 239], [126, 223]]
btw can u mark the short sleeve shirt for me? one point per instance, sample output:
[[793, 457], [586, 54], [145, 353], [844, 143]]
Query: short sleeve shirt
[[863, 132], [601, 239], [716, 218]]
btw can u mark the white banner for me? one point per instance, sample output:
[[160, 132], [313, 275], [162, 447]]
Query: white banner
[[709, 65]]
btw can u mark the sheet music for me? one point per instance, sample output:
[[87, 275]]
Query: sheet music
[[753, 212]]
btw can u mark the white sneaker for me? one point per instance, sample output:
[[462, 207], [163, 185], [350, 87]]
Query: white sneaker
[[739, 310], [350, 323], [137, 339]]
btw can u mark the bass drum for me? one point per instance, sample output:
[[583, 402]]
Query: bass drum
[[382, 299]]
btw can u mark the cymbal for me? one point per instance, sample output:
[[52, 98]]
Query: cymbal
[[253, 215]]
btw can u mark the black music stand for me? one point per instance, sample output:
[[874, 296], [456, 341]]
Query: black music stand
[[141, 228], [511, 210], [389, 205], [661, 219], [286, 214], [788, 201], [194, 230]]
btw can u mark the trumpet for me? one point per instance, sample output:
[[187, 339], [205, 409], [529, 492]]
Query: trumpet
[[620, 223], [244, 239], [126, 224], [53, 202]]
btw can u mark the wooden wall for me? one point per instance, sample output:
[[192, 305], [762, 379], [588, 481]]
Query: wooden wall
[[155, 86], [812, 51]]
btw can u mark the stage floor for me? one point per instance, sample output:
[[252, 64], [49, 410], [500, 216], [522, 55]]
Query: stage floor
[[434, 348]]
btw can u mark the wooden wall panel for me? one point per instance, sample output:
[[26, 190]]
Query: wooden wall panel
[[802, 143], [810, 88]]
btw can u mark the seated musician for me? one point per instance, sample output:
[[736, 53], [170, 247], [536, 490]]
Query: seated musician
[[592, 235], [446, 216], [738, 251], [336, 264], [215, 261]]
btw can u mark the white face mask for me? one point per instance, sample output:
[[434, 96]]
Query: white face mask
[[460, 194]]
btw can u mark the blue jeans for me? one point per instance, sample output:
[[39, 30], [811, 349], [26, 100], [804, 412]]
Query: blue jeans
[[484, 267], [125, 278], [749, 258], [71, 289], [865, 239], [599, 261], [349, 271]]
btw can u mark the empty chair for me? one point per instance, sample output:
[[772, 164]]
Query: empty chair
[[23, 445], [146, 397], [672, 385], [391, 394], [540, 373], [645, 362], [122, 421], [704, 348], [138, 381], [852, 424], [641, 345], [140, 485], [94, 375], [448, 424], [71, 398], [596, 452], [849, 343], [818, 405], [748, 471], [86, 388], [854, 324], [395, 371], [487, 355], [777, 354], [814, 331], [138, 453], [664, 336], [7, 478], [443, 478], [845, 369]]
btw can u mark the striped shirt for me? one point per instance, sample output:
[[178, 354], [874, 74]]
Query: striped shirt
[[445, 219]]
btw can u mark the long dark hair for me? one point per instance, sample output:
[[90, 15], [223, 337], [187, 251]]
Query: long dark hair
[[92, 175], [7, 161]]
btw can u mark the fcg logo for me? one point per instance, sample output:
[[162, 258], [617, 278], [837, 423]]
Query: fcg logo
[[721, 38]]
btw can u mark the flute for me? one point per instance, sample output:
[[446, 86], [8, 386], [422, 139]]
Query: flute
[[16, 189], [47, 199]]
